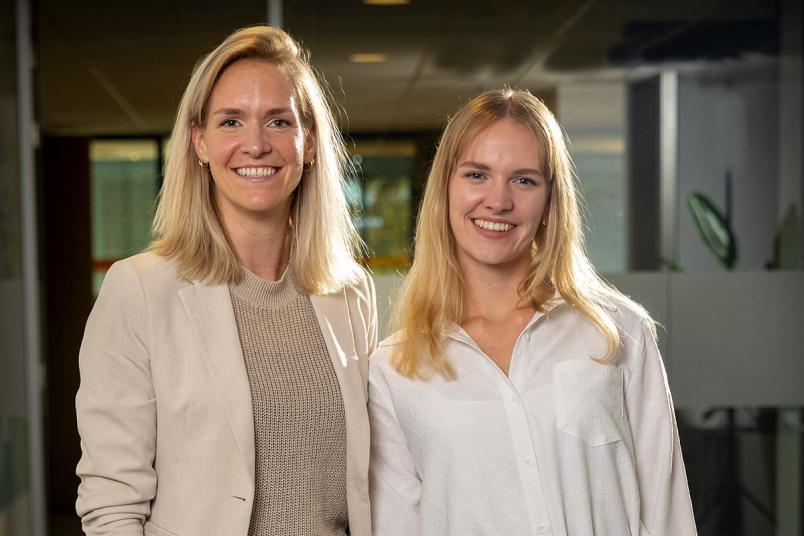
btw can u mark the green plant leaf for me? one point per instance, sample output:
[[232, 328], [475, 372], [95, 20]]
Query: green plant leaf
[[714, 229]]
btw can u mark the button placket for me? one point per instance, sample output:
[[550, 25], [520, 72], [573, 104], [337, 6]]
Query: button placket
[[519, 427], [524, 445]]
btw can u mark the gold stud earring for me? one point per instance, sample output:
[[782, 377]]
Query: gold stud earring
[[202, 163], [308, 167]]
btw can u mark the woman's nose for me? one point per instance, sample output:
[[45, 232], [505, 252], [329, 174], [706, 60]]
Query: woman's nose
[[255, 142], [498, 196]]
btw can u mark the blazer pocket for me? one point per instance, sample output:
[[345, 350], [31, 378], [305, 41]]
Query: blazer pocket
[[152, 528], [589, 400]]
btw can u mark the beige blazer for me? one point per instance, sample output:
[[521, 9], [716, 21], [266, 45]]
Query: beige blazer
[[165, 412]]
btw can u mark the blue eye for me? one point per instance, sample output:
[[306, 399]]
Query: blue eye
[[474, 175], [278, 123], [526, 181], [229, 123]]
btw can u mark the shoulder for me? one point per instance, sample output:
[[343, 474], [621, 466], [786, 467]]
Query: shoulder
[[629, 316], [389, 343], [634, 327], [381, 358], [637, 337], [358, 290], [626, 315], [360, 295], [148, 271], [362, 286], [146, 265]]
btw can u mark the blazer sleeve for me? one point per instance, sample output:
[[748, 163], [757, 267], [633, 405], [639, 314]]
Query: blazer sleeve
[[666, 508], [116, 410], [394, 484]]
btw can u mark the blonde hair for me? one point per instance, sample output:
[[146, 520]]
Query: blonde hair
[[187, 228], [431, 298]]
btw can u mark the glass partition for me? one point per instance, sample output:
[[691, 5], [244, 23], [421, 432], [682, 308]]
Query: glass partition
[[593, 116], [14, 459], [382, 199], [124, 184]]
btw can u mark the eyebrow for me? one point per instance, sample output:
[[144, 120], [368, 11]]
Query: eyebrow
[[527, 171], [476, 165], [238, 111], [484, 167]]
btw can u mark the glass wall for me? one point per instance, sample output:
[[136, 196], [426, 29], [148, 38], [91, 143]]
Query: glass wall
[[382, 196], [14, 487], [124, 184], [593, 116]]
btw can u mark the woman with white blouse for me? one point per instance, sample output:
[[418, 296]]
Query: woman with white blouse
[[521, 394]]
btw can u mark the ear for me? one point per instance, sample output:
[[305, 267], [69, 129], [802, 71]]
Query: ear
[[199, 143]]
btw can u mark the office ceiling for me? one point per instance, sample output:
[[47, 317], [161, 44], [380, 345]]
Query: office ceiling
[[120, 68]]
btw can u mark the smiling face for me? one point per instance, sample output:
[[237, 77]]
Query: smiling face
[[497, 195], [253, 140]]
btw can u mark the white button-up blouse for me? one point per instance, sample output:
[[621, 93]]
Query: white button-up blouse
[[563, 445]]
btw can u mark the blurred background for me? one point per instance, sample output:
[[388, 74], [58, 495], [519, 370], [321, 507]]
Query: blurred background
[[685, 120]]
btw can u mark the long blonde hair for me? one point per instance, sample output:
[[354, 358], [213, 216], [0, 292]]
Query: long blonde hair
[[187, 228], [431, 298]]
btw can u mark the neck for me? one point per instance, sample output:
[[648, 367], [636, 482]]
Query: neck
[[259, 241], [492, 292]]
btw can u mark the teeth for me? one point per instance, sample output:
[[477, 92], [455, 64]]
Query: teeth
[[256, 172], [493, 226]]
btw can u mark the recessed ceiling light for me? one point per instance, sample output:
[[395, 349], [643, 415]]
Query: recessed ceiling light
[[368, 57], [386, 2]]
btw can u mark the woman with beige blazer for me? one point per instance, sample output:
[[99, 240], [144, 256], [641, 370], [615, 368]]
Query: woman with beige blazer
[[223, 372]]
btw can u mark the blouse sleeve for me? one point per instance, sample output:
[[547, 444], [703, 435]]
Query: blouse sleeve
[[394, 484], [116, 410], [666, 509]]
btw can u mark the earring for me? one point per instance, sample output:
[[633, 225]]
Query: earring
[[308, 167], [544, 221], [202, 163]]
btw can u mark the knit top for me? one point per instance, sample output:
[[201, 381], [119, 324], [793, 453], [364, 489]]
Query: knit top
[[299, 418]]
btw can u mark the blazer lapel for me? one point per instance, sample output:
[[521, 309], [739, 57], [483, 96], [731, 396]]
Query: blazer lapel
[[334, 319], [210, 311]]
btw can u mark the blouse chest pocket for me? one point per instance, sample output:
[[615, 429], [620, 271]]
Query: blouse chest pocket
[[589, 400]]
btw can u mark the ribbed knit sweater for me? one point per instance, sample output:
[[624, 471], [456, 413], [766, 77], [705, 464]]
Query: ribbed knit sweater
[[299, 419]]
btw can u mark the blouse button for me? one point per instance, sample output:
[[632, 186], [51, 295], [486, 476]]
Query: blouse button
[[527, 462]]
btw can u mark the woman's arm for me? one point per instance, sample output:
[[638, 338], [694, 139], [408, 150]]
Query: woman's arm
[[393, 482], [666, 509], [116, 409]]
